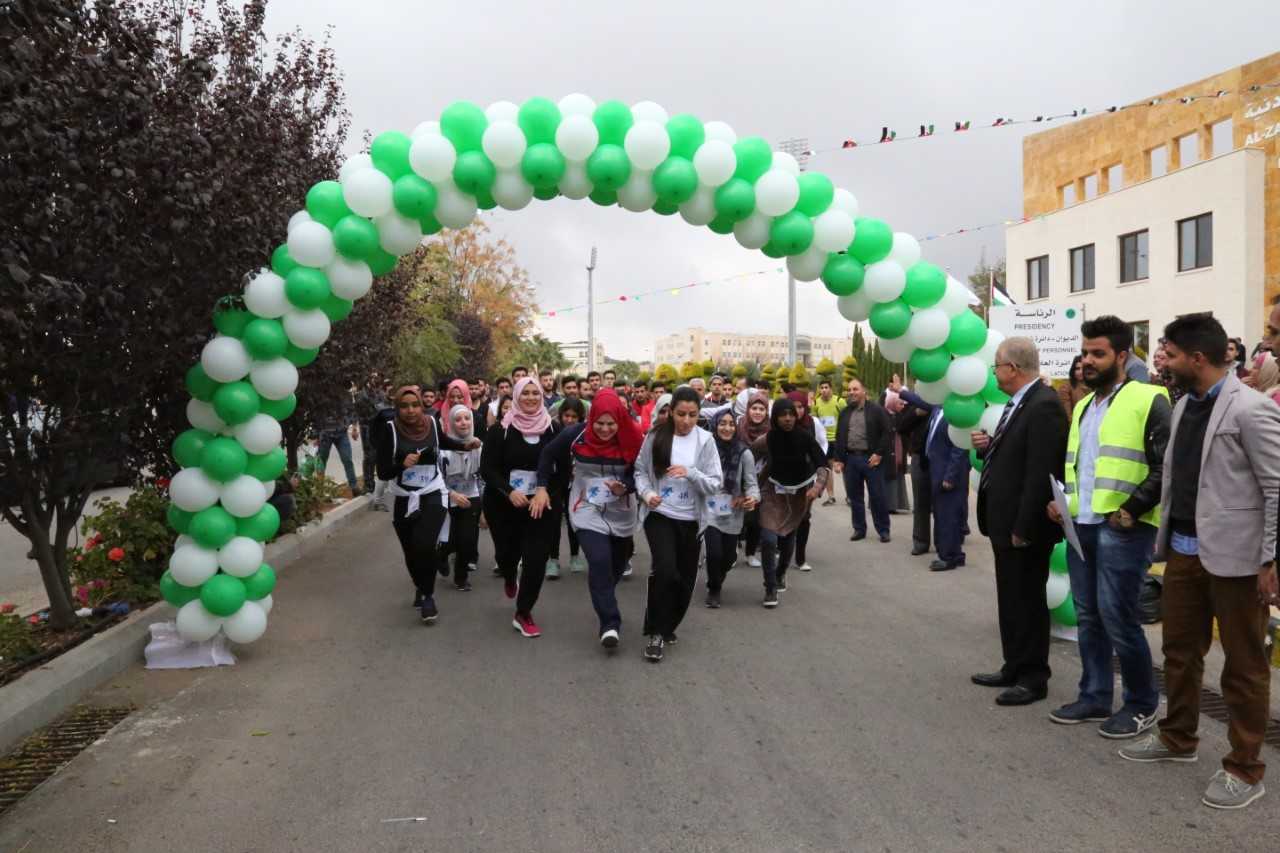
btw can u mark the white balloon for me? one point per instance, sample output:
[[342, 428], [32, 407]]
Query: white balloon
[[897, 349], [833, 230], [638, 194], [306, 329], [271, 488], [753, 232], [906, 250], [575, 184], [225, 359], [504, 144], [202, 416], [576, 137], [183, 539], [844, 200], [398, 234], [884, 281], [988, 351], [776, 192], [454, 208], [266, 603], [297, 219], [367, 192], [423, 129], [192, 565], [264, 295], [192, 489], [247, 624], [929, 328], [354, 163], [260, 434], [967, 375], [649, 111], [348, 279], [855, 307], [577, 104], [501, 111], [955, 299], [195, 624], [311, 244], [432, 157], [700, 209], [933, 392], [647, 145], [274, 379], [715, 162], [808, 265], [720, 132], [511, 191], [1056, 589], [784, 161], [240, 557], [990, 419], [960, 437]]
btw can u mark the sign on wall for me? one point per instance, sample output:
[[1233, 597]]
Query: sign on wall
[[1054, 328]]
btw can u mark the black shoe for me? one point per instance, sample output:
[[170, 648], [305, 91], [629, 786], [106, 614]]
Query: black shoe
[[857, 537], [884, 537], [782, 584], [1019, 695], [770, 598], [417, 600], [670, 639], [992, 679], [942, 566], [428, 610], [465, 586], [653, 651], [713, 600], [916, 550]]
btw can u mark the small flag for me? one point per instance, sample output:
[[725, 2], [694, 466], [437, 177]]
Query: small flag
[[849, 143]]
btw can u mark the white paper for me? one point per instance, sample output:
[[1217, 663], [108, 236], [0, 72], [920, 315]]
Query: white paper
[[596, 491], [720, 504], [524, 481], [1060, 498]]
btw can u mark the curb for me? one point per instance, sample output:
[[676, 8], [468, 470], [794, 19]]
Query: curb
[[40, 696]]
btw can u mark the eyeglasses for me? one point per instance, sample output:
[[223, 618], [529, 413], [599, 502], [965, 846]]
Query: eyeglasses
[[1000, 364]]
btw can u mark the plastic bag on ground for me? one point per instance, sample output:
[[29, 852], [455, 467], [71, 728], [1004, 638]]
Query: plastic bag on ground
[[167, 650]]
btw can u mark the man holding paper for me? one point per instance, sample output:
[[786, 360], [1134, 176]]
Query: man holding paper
[[1114, 463]]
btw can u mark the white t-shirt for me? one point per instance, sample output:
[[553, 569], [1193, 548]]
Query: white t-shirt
[[679, 500]]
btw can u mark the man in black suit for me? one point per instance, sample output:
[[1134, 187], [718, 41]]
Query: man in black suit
[[1029, 445], [863, 449]]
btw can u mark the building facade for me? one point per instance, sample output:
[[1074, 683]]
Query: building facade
[[699, 344], [576, 353]]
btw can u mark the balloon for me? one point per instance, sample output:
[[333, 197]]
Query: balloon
[[261, 583], [926, 283], [539, 118], [991, 390], [355, 237], [675, 180], [235, 402], [988, 351], [792, 233], [715, 163], [283, 408], [413, 196], [202, 416], [963, 411], [968, 333], [174, 592], [224, 359], [298, 356], [222, 595], [511, 190], [230, 321], [311, 244], [576, 104], [574, 184], [701, 209], [191, 489], [240, 557], [259, 434], [349, 279], [608, 167], [306, 287], [967, 375], [897, 350], [274, 379], [843, 274], [262, 525], [816, 193], [367, 193], [753, 232], [990, 420], [613, 119], [776, 192], [975, 461], [637, 194], [297, 219], [772, 251], [785, 162], [956, 298], [721, 225], [754, 159], [934, 393], [872, 240], [1056, 590], [647, 145], [473, 172], [463, 123], [390, 153], [325, 203], [649, 111], [199, 384], [189, 445], [266, 604], [264, 466], [605, 198], [353, 164], [223, 459], [264, 339], [807, 265], [960, 437], [889, 319], [543, 165], [843, 200], [884, 281], [930, 366], [720, 132], [212, 527], [247, 624], [195, 624], [577, 137], [281, 262], [833, 230], [504, 143], [905, 251], [735, 200], [264, 295], [398, 235], [1058, 558], [1065, 613], [432, 157], [663, 208], [306, 329], [243, 496], [929, 328], [854, 307], [454, 208], [500, 111], [686, 134]]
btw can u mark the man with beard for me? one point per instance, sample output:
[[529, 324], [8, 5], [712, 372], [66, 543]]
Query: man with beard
[[1114, 464]]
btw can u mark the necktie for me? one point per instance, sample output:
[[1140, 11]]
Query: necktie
[[1004, 417]]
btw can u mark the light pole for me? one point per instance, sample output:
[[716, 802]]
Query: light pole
[[799, 149], [591, 313]]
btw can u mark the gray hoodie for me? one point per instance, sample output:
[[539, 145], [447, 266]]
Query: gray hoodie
[[705, 476]]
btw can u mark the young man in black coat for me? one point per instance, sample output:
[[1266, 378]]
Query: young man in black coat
[[864, 446]]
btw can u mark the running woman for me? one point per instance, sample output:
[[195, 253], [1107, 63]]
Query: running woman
[[753, 424], [462, 478], [566, 414], [805, 421], [741, 495]]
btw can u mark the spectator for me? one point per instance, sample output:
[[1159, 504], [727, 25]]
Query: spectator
[[864, 441], [1236, 357], [549, 396], [1074, 389], [502, 388], [370, 400], [1160, 361], [333, 433]]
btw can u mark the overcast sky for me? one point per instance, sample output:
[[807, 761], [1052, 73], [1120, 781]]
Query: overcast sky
[[825, 71]]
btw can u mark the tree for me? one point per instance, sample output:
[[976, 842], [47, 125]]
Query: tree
[[850, 363], [476, 344], [826, 369], [536, 353], [980, 281], [707, 367], [626, 370], [143, 177], [799, 377], [426, 348], [666, 374], [740, 371]]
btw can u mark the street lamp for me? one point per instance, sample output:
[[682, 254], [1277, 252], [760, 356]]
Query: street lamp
[[799, 149], [591, 313]]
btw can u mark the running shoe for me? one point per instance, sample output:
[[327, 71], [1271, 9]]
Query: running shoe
[[782, 583], [510, 588], [465, 586], [753, 562], [526, 626], [553, 570], [609, 639], [428, 611], [770, 598], [577, 565], [805, 567], [713, 600], [653, 651], [626, 573]]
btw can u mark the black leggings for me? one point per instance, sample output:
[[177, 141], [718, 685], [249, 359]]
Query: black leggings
[[573, 538], [418, 537], [464, 538], [674, 547], [751, 531], [521, 540], [802, 539], [722, 549]]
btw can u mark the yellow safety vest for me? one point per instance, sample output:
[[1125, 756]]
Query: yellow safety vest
[[1122, 457]]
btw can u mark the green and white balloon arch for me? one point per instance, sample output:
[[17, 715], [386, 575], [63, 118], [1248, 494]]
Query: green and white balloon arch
[[410, 186]]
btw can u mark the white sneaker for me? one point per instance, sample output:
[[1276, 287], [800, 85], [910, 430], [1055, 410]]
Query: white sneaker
[[609, 639], [626, 573], [754, 562], [805, 567]]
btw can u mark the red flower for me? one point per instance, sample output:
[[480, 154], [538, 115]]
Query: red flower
[[115, 555], [8, 607], [82, 593], [34, 619]]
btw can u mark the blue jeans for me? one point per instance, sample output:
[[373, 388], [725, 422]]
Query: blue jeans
[[338, 438], [606, 561], [775, 556], [1106, 585], [858, 471]]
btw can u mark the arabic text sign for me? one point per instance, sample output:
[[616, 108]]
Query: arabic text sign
[[1054, 328]]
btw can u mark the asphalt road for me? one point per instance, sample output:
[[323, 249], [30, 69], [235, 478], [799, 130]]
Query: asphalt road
[[843, 720]]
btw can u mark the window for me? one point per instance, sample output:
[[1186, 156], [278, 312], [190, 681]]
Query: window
[[1188, 149], [1141, 339], [1038, 277], [1115, 177], [1223, 138], [1090, 187], [1068, 194], [1133, 256], [1195, 242], [1082, 269], [1158, 161]]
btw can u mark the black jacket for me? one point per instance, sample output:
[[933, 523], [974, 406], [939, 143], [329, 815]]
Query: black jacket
[[913, 425], [879, 433]]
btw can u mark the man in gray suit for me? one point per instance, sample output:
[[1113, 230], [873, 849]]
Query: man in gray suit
[[1224, 445]]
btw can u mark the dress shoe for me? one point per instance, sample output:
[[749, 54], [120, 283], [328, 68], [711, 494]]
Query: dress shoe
[[885, 538], [942, 566], [916, 550], [992, 679], [1019, 695], [857, 537]]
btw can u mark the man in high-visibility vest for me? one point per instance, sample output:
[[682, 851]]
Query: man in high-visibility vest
[[1115, 458]]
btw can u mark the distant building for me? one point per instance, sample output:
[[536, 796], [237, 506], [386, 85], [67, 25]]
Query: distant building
[[576, 353], [698, 344]]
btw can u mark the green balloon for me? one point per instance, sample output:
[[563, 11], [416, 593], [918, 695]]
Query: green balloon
[[1058, 558], [608, 167], [721, 225], [381, 261], [872, 240], [772, 250], [430, 225], [175, 593], [336, 308], [539, 118], [262, 526], [355, 237], [266, 466], [265, 339], [613, 119], [463, 124], [546, 193], [604, 198], [281, 409], [485, 199], [301, 357], [179, 519], [413, 196], [223, 459], [792, 232], [687, 135], [929, 365], [188, 446], [231, 321], [843, 274], [816, 193], [926, 283], [281, 261], [198, 383], [212, 527], [976, 461], [663, 208], [306, 287], [675, 180], [890, 319], [1065, 613], [968, 333], [260, 583], [474, 172], [390, 154], [963, 411], [222, 594], [754, 158], [736, 199], [326, 204], [236, 402], [543, 165], [991, 391]]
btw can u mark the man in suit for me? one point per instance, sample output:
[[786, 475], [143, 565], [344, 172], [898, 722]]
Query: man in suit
[[1224, 444], [864, 445], [1028, 446]]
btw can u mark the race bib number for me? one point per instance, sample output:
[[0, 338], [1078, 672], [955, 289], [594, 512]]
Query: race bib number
[[525, 482], [418, 476], [676, 493], [828, 420], [720, 504], [596, 491], [463, 485]]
